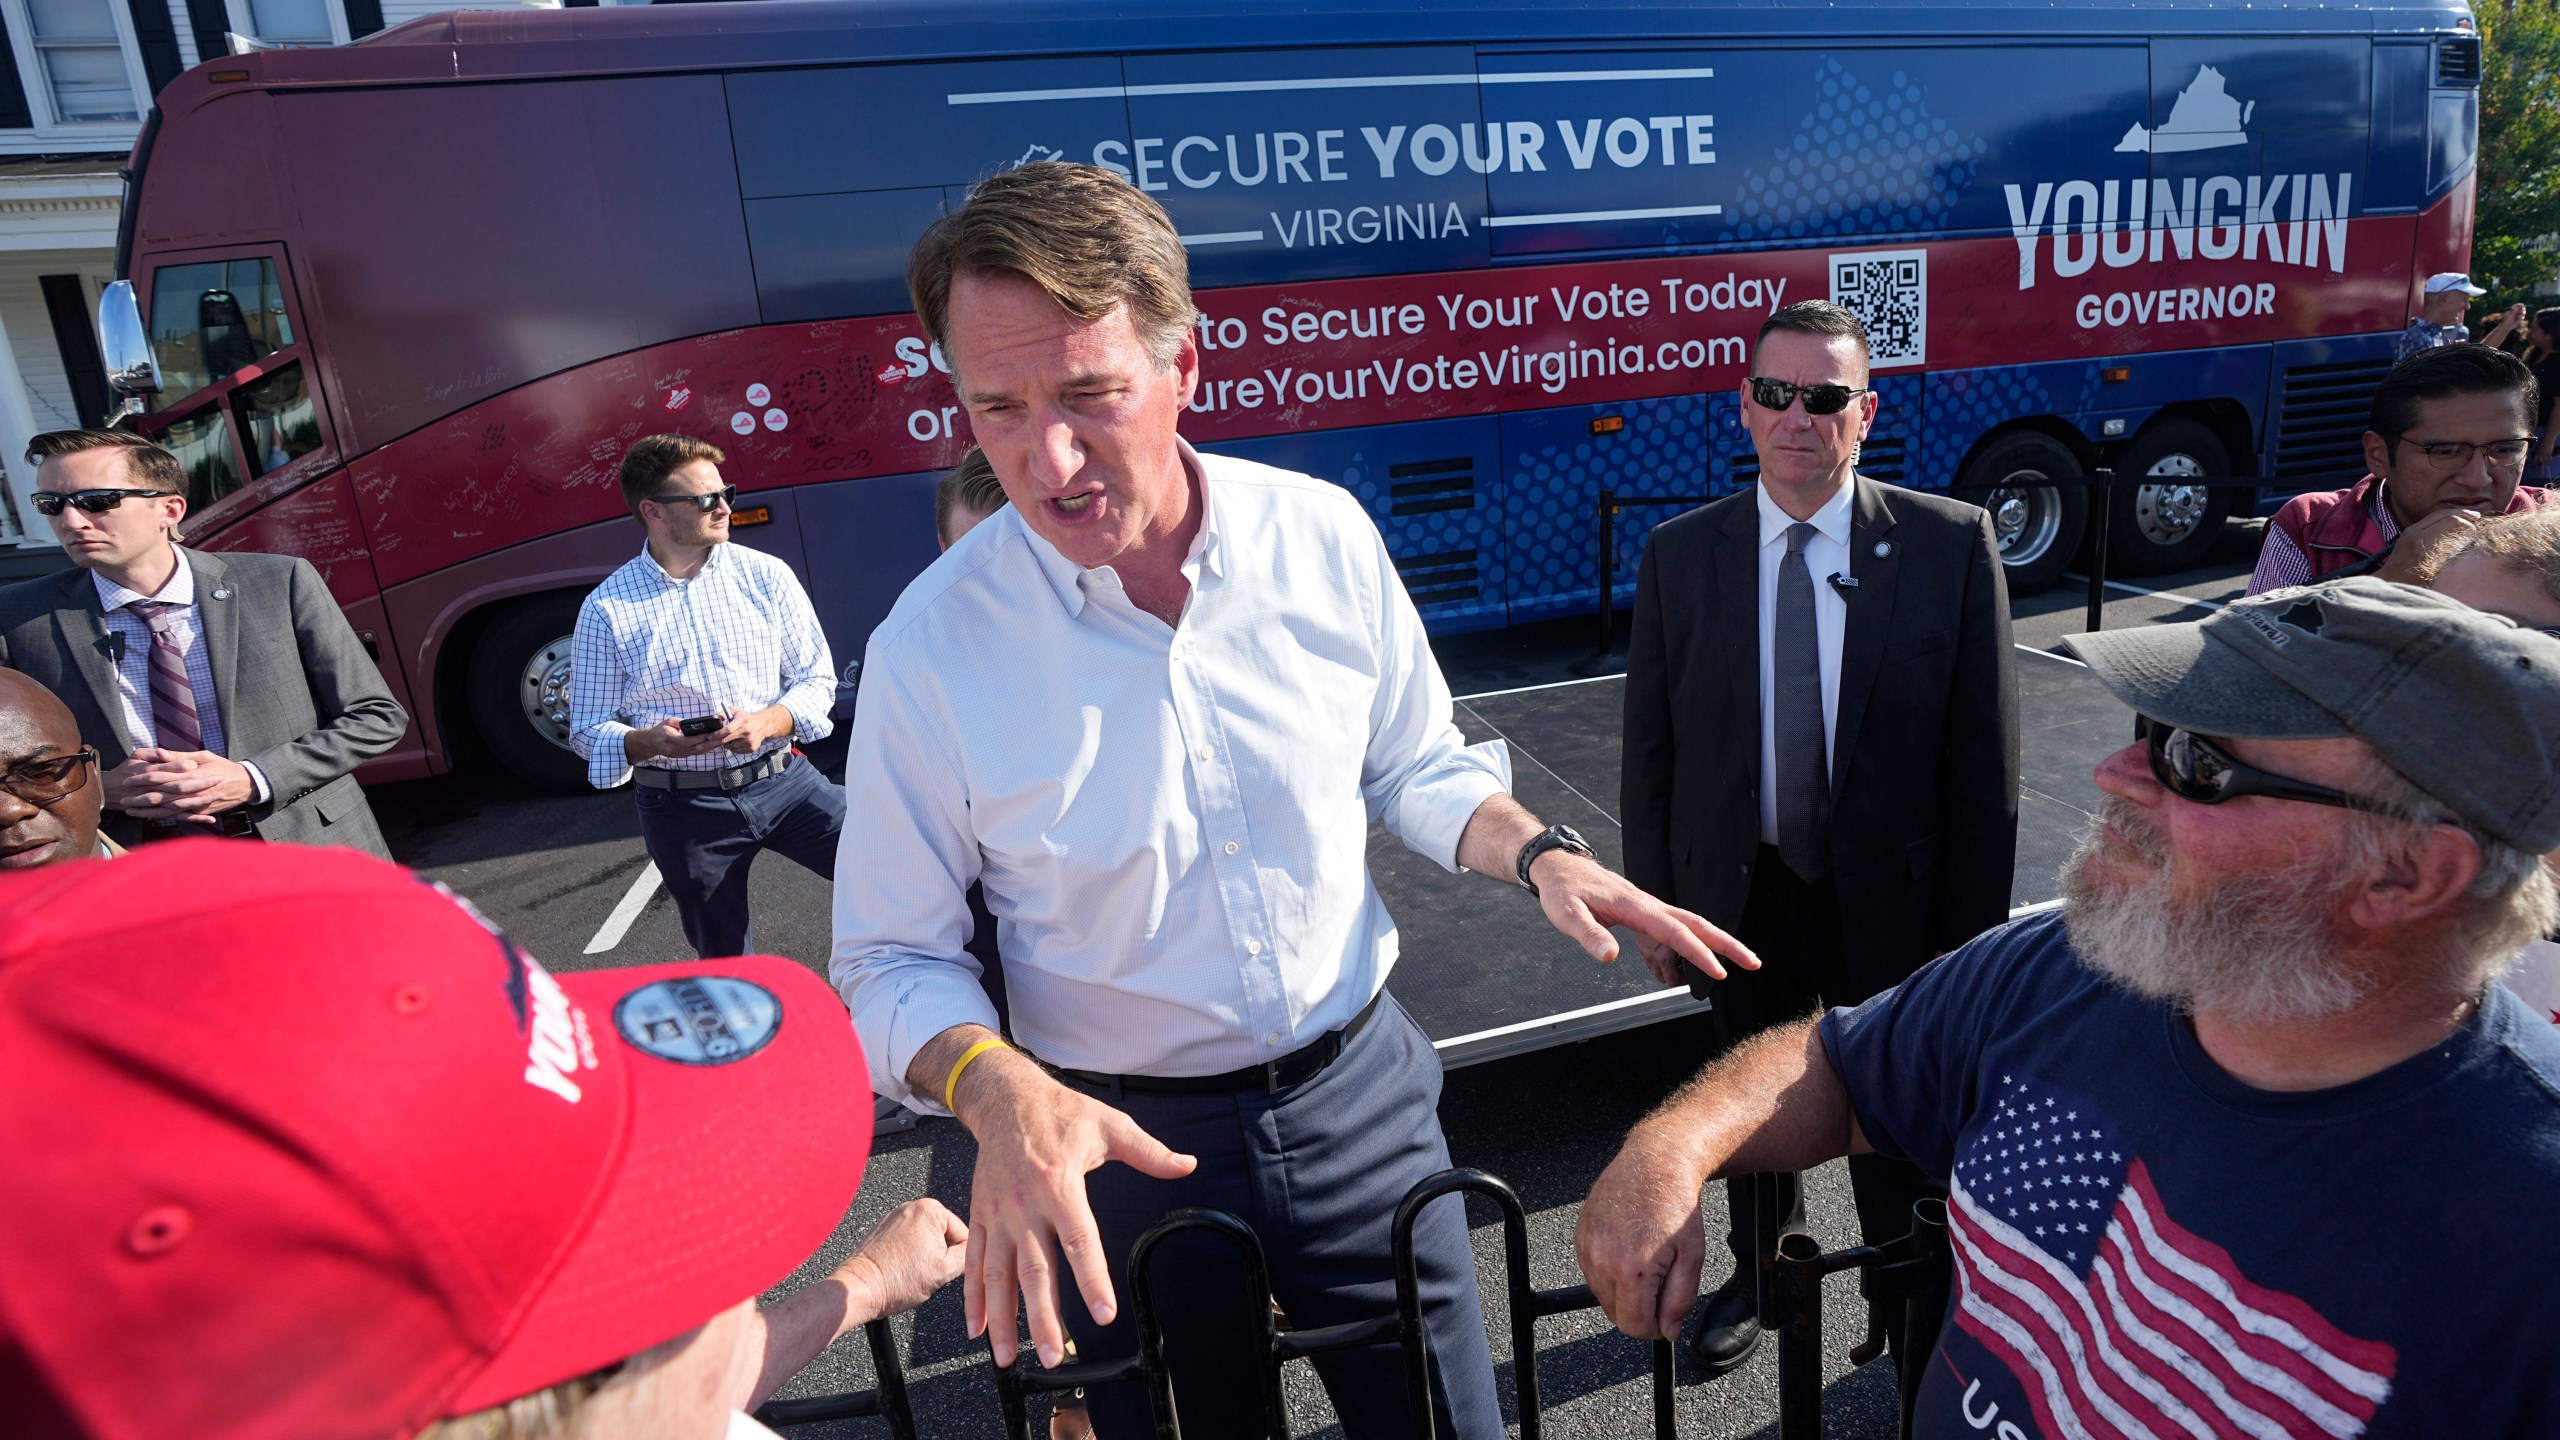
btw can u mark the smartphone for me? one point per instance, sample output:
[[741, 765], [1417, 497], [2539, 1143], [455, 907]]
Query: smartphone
[[700, 725]]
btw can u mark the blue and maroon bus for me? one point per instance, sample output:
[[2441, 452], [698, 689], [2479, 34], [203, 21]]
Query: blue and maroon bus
[[1474, 262]]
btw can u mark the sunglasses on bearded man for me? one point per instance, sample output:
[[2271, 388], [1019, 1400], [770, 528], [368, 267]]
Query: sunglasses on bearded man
[[2194, 768]]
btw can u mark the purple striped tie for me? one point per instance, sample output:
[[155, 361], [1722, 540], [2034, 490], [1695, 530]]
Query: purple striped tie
[[173, 696]]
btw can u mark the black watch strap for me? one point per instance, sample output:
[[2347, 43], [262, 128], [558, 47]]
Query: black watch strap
[[1554, 837]]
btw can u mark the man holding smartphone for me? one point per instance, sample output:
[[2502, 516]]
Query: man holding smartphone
[[697, 669]]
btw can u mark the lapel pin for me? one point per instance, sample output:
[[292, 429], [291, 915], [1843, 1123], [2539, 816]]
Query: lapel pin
[[1883, 549], [225, 594]]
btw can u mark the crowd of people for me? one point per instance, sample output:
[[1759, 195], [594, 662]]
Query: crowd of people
[[301, 1145]]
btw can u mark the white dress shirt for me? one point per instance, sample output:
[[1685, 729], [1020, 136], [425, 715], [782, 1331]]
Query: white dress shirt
[[738, 636], [1171, 823], [1825, 555], [133, 662]]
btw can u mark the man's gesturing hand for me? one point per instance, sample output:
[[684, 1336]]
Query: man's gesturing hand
[[1640, 1239], [1583, 898], [1037, 1140]]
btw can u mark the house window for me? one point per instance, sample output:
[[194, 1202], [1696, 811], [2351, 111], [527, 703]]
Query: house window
[[80, 52], [286, 22]]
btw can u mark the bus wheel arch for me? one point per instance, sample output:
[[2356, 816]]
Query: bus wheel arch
[[512, 661], [2038, 524]]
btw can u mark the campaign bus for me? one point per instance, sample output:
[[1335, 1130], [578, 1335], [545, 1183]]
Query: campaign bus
[[411, 298]]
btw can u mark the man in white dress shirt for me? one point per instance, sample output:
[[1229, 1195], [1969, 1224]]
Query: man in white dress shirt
[[699, 668], [1152, 706]]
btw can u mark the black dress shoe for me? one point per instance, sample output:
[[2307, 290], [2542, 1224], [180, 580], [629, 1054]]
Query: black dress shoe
[[1728, 1329]]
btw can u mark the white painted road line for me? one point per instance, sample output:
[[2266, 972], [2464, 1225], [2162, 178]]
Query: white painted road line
[[2180, 596], [626, 911]]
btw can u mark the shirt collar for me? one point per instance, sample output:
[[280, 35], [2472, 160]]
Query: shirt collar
[[1208, 550], [1832, 520], [2384, 522], [710, 563], [181, 589]]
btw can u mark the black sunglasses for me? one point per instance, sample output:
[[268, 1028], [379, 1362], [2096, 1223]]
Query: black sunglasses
[[96, 502], [2194, 768], [1818, 399], [41, 782], [725, 495]]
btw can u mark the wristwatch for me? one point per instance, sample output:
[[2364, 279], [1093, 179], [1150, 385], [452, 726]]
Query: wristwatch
[[1554, 837]]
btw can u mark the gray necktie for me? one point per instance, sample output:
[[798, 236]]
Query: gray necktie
[[1804, 771]]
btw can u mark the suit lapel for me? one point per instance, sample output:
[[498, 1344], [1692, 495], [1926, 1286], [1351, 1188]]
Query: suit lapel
[[86, 639], [1737, 618], [1875, 559], [218, 611]]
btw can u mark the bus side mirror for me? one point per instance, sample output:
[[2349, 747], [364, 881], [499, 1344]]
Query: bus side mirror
[[132, 370]]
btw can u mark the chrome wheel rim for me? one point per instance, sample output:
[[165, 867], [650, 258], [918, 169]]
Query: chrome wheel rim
[[542, 693], [2168, 515], [2026, 516]]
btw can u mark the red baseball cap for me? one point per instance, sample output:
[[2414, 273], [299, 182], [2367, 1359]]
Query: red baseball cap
[[301, 1146]]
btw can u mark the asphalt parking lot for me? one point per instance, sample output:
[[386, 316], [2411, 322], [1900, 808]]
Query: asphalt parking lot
[[566, 875]]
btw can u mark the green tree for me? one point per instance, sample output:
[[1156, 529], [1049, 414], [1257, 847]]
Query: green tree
[[2515, 247]]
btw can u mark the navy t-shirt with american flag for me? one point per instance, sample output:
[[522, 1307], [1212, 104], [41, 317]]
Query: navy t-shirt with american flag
[[2147, 1247]]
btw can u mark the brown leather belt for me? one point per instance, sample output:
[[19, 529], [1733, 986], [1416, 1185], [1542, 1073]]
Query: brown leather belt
[[1272, 1076]]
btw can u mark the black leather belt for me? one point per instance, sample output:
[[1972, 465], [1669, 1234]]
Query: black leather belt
[[1272, 1076], [230, 825], [734, 778]]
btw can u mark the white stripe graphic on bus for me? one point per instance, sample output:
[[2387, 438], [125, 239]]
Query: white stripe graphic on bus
[[1343, 82]]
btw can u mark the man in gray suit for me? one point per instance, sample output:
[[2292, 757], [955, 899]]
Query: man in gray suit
[[226, 694]]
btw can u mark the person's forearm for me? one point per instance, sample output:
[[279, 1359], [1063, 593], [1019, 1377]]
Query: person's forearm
[[931, 1069], [1774, 1103], [1490, 845], [800, 1326]]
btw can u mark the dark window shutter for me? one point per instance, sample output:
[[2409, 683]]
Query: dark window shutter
[[14, 114], [67, 301], [363, 17], [210, 22], [158, 40]]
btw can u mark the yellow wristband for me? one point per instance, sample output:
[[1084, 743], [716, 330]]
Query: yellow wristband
[[951, 1086]]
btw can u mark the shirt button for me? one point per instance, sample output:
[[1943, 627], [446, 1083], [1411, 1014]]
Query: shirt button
[[1231, 847], [1275, 1039], [1253, 947], [1207, 753]]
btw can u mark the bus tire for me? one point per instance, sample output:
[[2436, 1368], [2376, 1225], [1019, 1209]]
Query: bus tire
[[2168, 525], [516, 685], [2037, 523]]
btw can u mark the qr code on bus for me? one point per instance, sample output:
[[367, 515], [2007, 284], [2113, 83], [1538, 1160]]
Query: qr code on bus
[[1888, 290]]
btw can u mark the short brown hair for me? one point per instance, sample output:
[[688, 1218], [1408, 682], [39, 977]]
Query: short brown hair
[[2524, 541], [971, 486], [150, 466], [652, 458], [1090, 240], [1815, 317]]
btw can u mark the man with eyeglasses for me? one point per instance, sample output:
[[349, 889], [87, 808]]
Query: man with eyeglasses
[[697, 670], [225, 693], [2446, 443], [1821, 744], [50, 798], [2246, 1140]]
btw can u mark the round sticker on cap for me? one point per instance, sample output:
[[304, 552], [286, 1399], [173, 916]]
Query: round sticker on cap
[[700, 1020]]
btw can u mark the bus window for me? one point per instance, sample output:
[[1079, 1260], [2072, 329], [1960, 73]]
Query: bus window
[[277, 419], [202, 443], [211, 319]]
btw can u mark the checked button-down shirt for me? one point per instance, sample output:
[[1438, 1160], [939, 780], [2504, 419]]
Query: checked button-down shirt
[[738, 636]]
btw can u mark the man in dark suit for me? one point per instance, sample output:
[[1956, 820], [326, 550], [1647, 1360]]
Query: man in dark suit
[[1821, 741], [225, 694]]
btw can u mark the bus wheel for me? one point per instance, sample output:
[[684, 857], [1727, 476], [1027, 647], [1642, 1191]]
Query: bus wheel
[[2169, 522], [518, 690], [2036, 521]]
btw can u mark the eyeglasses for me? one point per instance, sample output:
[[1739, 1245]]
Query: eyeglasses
[[2454, 454], [41, 782], [725, 495], [1818, 399], [2194, 768], [96, 502]]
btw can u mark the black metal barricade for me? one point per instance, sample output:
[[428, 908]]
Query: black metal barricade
[[1915, 1270], [887, 1399], [1016, 1382], [2100, 479]]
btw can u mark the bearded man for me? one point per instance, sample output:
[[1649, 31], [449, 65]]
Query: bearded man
[[2200, 1129]]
